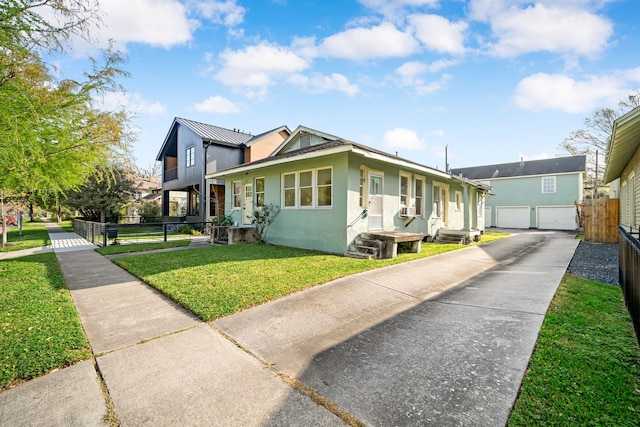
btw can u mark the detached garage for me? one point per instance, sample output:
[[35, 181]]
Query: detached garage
[[557, 218], [513, 217], [531, 194]]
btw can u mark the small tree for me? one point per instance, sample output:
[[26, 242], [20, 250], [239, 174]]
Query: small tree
[[262, 218], [149, 212]]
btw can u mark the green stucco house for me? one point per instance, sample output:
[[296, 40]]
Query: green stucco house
[[531, 194], [332, 191]]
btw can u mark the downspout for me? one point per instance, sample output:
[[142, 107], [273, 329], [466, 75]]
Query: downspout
[[204, 200]]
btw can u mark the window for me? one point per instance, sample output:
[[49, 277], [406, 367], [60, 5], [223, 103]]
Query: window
[[405, 195], [237, 189], [191, 151], [437, 200], [312, 188], [259, 192], [549, 184], [419, 191], [289, 189], [325, 186], [305, 188], [458, 201]]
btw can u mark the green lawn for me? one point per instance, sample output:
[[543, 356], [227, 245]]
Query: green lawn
[[40, 328], [585, 369], [220, 280], [141, 247], [34, 235]]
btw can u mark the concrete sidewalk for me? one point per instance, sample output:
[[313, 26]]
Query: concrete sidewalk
[[439, 341]]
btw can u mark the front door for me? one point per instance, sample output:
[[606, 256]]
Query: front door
[[375, 201], [247, 205]]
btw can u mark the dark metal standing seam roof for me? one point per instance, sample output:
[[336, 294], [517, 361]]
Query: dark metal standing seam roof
[[553, 166], [216, 133]]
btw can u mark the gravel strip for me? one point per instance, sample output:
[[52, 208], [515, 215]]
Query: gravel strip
[[596, 261]]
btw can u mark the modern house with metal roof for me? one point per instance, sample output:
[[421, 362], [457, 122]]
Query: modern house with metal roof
[[531, 194], [192, 149], [335, 195], [623, 165]]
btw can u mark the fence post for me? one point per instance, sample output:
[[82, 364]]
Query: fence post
[[104, 237], [164, 231]]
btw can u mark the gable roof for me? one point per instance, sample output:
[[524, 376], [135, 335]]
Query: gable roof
[[208, 133], [338, 145], [299, 131], [624, 142], [257, 138], [556, 165]]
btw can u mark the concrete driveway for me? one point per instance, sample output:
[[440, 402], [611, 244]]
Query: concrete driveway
[[439, 341]]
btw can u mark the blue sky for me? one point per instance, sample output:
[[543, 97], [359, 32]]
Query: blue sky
[[493, 80]]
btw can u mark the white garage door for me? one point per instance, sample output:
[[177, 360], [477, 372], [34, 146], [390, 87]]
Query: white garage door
[[557, 218], [512, 216]]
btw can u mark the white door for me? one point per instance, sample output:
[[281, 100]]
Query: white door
[[376, 196], [487, 216], [557, 218], [247, 205], [513, 217]]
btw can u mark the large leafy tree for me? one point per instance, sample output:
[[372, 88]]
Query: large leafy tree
[[592, 140], [53, 133], [101, 197]]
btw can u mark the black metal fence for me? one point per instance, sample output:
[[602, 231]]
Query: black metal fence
[[103, 234], [629, 251]]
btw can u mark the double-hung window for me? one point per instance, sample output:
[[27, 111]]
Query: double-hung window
[[405, 190], [308, 189], [259, 192], [437, 201], [237, 189], [419, 191], [548, 184], [190, 156]]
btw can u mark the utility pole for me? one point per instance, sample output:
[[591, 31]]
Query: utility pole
[[595, 181]]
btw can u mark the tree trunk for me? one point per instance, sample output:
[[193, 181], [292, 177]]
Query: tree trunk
[[4, 220], [31, 212]]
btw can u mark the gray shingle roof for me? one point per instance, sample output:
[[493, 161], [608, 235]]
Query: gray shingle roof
[[556, 165], [216, 133]]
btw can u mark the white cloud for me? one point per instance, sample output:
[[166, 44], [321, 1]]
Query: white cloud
[[321, 83], [217, 104], [257, 67], [411, 75], [555, 30], [401, 138], [227, 13], [559, 92], [155, 22], [439, 34], [113, 101], [382, 41]]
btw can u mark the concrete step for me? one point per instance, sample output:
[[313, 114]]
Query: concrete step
[[358, 255]]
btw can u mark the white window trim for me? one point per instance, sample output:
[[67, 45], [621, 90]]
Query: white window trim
[[255, 190], [233, 195], [415, 192], [444, 202], [408, 177], [554, 184], [314, 188], [190, 154]]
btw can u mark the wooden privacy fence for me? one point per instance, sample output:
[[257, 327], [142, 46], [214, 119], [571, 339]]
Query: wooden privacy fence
[[629, 251], [600, 220]]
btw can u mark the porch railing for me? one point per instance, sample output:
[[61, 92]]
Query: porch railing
[[170, 174], [629, 251]]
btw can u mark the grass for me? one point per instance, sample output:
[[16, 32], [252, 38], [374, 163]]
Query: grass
[[217, 281], [585, 369], [34, 235], [141, 247], [39, 327]]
